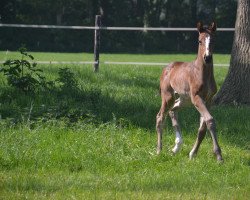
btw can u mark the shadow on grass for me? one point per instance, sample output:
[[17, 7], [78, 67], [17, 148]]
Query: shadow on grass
[[92, 102], [95, 106], [73, 105], [233, 124]]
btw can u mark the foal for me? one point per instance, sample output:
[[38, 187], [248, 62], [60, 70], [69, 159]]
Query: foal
[[183, 82]]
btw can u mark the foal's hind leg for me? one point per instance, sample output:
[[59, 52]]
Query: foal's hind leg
[[165, 106], [201, 134], [178, 138]]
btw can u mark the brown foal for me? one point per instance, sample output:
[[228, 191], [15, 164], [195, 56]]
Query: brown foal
[[184, 82]]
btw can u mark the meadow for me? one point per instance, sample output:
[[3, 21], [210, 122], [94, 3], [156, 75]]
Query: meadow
[[99, 141], [77, 57]]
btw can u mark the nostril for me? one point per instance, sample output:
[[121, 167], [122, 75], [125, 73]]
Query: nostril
[[208, 58]]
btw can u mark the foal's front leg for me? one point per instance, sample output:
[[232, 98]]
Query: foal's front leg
[[201, 134], [210, 123], [178, 138]]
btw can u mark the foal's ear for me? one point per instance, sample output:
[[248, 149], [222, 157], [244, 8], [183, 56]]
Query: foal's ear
[[213, 26], [200, 27]]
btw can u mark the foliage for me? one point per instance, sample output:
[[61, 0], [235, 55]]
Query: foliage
[[138, 13], [22, 74], [67, 79]]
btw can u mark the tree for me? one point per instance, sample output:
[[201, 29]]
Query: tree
[[236, 87], [139, 13], [206, 10]]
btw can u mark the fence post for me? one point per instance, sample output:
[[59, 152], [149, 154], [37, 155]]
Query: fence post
[[97, 42]]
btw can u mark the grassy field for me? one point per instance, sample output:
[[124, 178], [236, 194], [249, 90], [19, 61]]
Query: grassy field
[[99, 142], [218, 58]]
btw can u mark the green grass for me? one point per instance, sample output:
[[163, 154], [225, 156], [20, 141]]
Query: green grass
[[100, 142], [218, 58]]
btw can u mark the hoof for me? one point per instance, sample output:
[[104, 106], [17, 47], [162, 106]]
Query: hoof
[[158, 151], [217, 153], [192, 155], [220, 159], [176, 149]]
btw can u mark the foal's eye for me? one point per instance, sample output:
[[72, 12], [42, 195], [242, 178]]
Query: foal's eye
[[199, 42]]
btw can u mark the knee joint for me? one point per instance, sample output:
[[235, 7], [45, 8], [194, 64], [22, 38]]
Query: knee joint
[[211, 124], [202, 129]]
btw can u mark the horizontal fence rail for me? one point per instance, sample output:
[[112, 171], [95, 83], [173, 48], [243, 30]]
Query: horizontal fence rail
[[149, 63], [111, 63], [106, 28], [97, 28], [62, 62]]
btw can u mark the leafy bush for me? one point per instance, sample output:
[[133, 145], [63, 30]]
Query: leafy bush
[[67, 79], [23, 74]]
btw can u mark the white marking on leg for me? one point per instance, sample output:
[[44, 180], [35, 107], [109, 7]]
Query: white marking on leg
[[178, 142], [177, 103], [191, 154]]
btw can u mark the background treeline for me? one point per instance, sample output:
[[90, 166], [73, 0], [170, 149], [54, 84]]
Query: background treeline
[[138, 13]]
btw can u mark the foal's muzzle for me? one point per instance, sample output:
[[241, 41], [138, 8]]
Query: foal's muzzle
[[208, 59]]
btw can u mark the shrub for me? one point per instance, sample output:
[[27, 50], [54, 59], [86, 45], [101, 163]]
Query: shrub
[[67, 80], [23, 74]]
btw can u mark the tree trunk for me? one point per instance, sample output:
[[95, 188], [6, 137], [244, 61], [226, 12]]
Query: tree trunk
[[236, 87]]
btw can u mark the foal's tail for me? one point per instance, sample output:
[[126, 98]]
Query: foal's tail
[[165, 71]]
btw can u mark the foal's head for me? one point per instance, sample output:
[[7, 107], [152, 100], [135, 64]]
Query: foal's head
[[206, 35]]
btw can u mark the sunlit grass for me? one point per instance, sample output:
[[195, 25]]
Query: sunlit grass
[[77, 57], [54, 161], [109, 150]]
